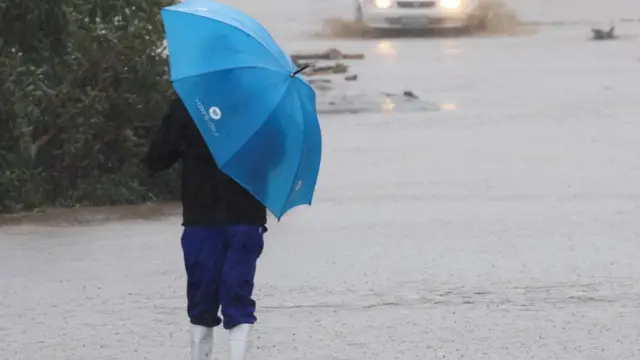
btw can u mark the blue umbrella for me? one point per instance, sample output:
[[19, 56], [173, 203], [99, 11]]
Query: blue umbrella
[[256, 114]]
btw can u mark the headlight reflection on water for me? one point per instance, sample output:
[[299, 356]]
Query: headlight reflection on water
[[448, 106], [388, 105], [385, 47]]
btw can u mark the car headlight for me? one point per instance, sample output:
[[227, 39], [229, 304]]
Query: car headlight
[[383, 4], [451, 4]]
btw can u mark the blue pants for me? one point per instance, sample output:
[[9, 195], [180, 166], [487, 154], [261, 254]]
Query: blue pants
[[221, 265]]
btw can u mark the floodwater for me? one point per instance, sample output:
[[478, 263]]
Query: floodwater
[[502, 224]]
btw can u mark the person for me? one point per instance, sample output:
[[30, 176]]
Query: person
[[222, 239]]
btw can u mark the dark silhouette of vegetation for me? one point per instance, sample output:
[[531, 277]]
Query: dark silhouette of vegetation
[[82, 85]]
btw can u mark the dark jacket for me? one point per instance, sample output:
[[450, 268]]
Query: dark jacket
[[209, 197]]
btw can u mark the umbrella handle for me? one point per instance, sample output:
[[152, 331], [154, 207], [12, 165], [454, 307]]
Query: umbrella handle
[[301, 69]]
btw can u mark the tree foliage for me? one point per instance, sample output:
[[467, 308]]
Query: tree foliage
[[83, 83]]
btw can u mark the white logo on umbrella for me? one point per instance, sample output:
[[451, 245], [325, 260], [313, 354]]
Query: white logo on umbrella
[[215, 113], [207, 116]]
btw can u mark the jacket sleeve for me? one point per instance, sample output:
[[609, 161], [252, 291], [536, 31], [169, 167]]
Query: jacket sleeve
[[166, 146]]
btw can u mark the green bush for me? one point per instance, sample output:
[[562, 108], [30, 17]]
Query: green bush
[[83, 84]]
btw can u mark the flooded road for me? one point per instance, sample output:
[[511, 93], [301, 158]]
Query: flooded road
[[501, 224]]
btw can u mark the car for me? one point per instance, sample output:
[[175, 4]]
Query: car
[[416, 14]]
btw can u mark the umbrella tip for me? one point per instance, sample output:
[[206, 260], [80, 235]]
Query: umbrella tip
[[300, 69]]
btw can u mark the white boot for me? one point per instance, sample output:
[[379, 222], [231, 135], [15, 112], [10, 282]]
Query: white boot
[[240, 341], [201, 342]]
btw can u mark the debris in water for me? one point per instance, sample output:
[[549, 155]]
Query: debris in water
[[308, 61], [352, 77], [329, 54], [337, 68], [599, 34], [410, 94]]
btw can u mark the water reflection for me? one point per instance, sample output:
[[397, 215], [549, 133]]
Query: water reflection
[[385, 47], [333, 102], [387, 104], [448, 106]]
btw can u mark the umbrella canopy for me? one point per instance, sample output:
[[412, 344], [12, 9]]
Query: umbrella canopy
[[256, 114]]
